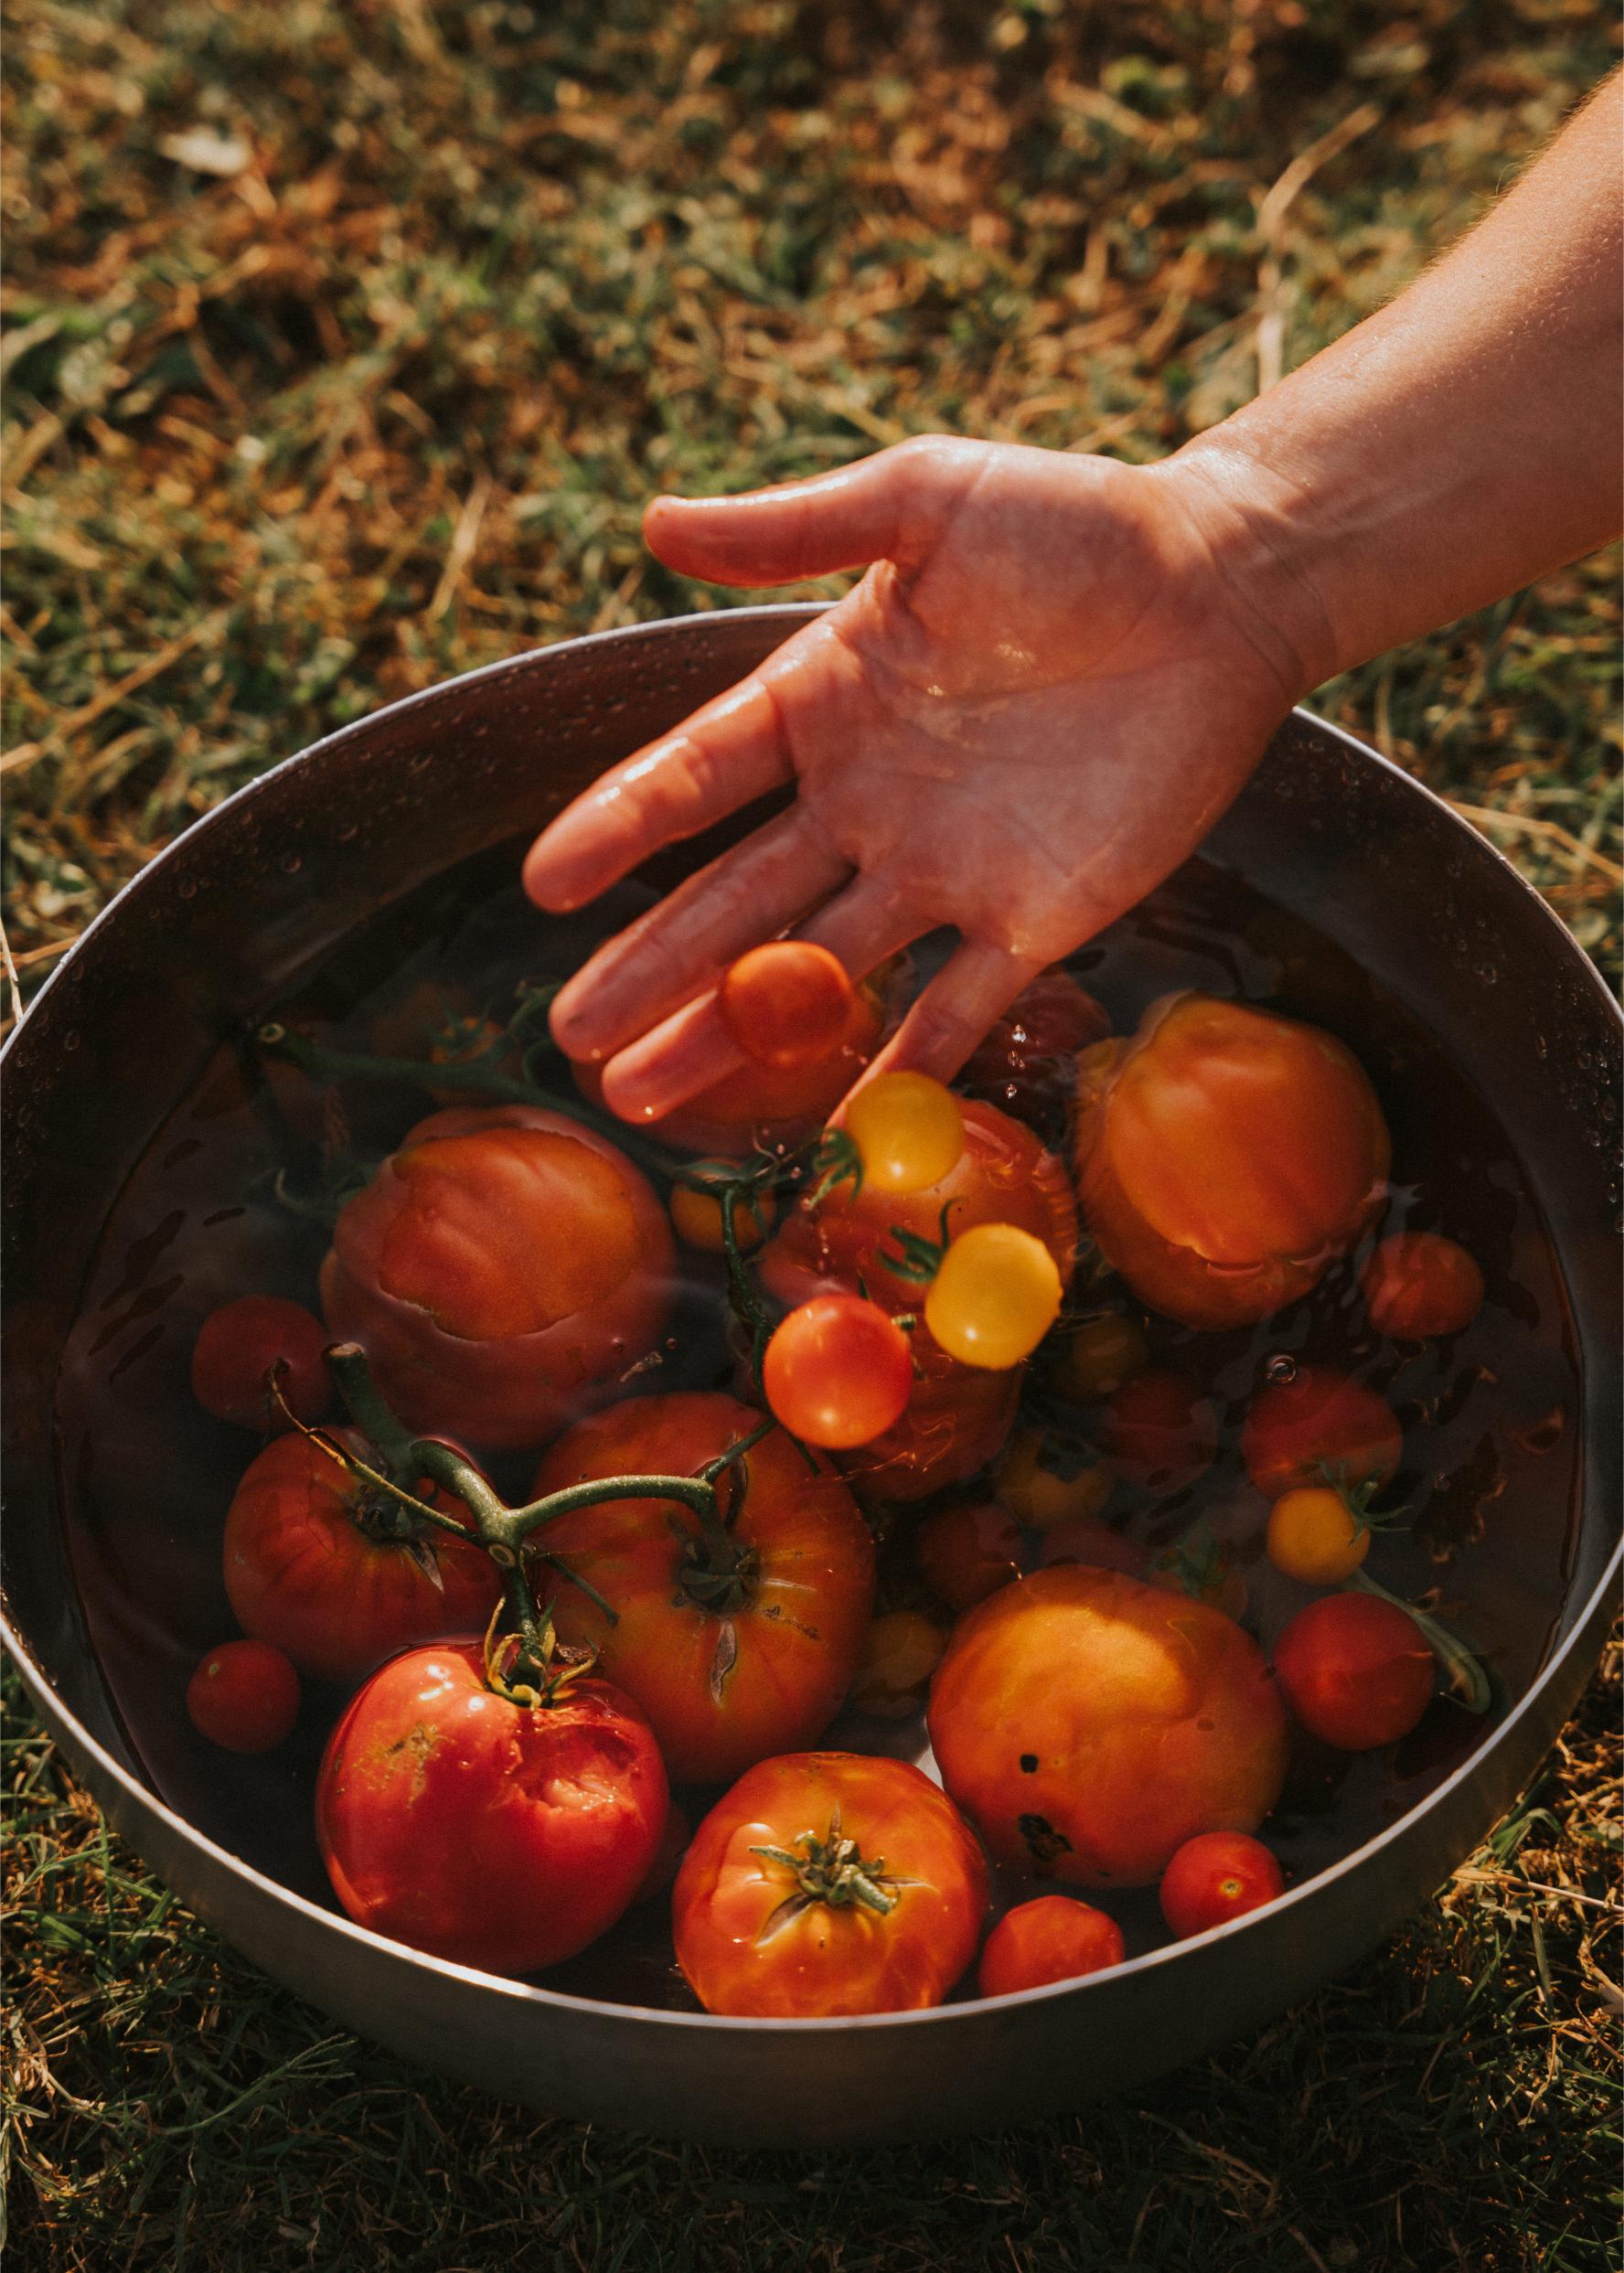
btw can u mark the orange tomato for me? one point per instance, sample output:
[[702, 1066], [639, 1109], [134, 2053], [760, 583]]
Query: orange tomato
[[787, 1004], [696, 1218], [1417, 1284]]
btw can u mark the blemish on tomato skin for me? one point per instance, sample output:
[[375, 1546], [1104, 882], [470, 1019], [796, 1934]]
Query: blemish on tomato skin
[[1043, 1842], [1028, 1764]]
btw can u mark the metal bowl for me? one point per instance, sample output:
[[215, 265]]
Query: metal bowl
[[216, 929]]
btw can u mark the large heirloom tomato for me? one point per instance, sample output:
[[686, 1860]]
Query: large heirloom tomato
[[957, 1415], [828, 1883], [488, 1831], [1089, 1724], [501, 1270], [315, 1563], [736, 1644], [1226, 1157]]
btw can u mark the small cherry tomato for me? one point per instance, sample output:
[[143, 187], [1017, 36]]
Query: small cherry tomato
[[1215, 1877], [1044, 1479], [995, 1296], [1052, 1938], [1321, 1426], [1027, 1063], [828, 1883], [1085, 1538], [966, 1553], [1354, 1670], [785, 1004], [696, 1218], [244, 1696], [908, 1129], [1417, 1284], [1314, 1535], [1097, 1357], [238, 1344], [1161, 1431], [899, 1653], [837, 1372]]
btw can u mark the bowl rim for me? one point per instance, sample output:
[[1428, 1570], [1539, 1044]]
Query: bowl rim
[[530, 1995]]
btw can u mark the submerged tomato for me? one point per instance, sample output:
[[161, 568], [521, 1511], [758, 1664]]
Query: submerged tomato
[[1316, 1535], [1321, 1426], [900, 1652], [1089, 1724], [1219, 1876], [1052, 1938], [235, 1348], [1226, 1157], [869, 1897], [492, 1833], [1027, 1065], [314, 1563], [837, 1372], [244, 1697], [966, 1553], [1417, 1284], [734, 1645], [502, 1271], [1355, 1670], [787, 1004], [1159, 1432]]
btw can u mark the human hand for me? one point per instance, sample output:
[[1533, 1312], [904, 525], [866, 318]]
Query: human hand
[[1055, 675]]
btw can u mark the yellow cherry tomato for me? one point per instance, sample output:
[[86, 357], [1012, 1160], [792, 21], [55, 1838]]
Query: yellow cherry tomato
[[994, 1297], [696, 1218], [908, 1129], [900, 1654], [1097, 1357], [1315, 1536], [1042, 1495]]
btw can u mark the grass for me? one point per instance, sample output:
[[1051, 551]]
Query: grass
[[344, 345]]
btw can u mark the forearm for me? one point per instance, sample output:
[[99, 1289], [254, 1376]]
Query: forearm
[[1456, 446]]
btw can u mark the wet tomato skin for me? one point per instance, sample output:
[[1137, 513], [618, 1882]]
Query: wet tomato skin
[[1215, 1877], [1418, 1283], [968, 1553], [238, 1344], [785, 1004], [1321, 1426], [1354, 1670], [743, 1953], [490, 1833], [1159, 1432], [1050, 1938], [837, 1372], [244, 1697], [1026, 1065], [722, 1684]]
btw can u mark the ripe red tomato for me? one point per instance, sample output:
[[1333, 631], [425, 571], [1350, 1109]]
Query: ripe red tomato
[[244, 1696], [1226, 1157], [235, 1348], [1354, 1670], [488, 1832], [869, 1898], [735, 1647], [837, 1372], [1052, 1938], [1161, 1431], [502, 1271], [1089, 1539], [1215, 1877], [1321, 1426], [787, 1004], [1089, 1724], [313, 1564], [956, 1419], [1417, 1284], [1027, 1065], [968, 1553]]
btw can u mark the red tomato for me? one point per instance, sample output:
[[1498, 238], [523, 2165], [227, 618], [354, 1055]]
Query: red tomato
[[956, 1419], [1089, 1539], [787, 1004], [1161, 1431], [244, 1696], [502, 1271], [1226, 1157], [235, 1348], [1089, 1724], [492, 1833], [1417, 1284], [1052, 1938], [1354, 1670], [837, 1372], [443, 1026], [312, 1564], [1321, 1426], [733, 1647], [968, 1553], [869, 1898], [1027, 1065], [1218, 1876]]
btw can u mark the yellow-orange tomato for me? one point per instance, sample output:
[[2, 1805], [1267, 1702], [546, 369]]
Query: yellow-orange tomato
[[899, 1653], [696, 1218], [994, 1297], [1098, 1356], [1315, 1536], [1226, 1157], [1052, 1938], [1088, 1724], [908, 1129], [1044, 1480], [1418, 1283]]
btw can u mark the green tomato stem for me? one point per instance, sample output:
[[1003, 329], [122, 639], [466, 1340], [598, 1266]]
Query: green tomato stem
[[1467, 1678]]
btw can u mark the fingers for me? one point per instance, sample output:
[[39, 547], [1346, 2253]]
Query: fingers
[[974, 987]]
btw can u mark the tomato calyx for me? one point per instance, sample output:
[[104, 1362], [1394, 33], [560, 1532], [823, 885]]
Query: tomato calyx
[[830, 1870], [531, 1667], [1357, 1498], [1464, 1671], [918, 1259], [835, 1161]]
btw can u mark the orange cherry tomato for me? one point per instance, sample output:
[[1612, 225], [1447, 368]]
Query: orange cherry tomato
[[1159, 1432], [734, 1645], [696, 1218], [1355, 1670], [956, 1419], [1215, 1877], [1052, 1938], [244, 1697], [235, 1348], [837, 1372], [1089, 1724], [1320, 1426], [899, 1653], [1417, 1284], [966, 1553], [908, 1130], [787, 1004], [1027, 1065], [1225, 1158], [995, 1296], [1316, 1536], [828, 1883]]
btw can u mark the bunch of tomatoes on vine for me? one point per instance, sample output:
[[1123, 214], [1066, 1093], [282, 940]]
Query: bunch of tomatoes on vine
[[926, 1480]]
